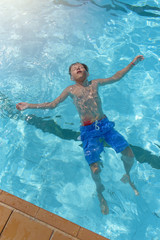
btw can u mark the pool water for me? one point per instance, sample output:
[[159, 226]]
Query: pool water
[[41, 157]]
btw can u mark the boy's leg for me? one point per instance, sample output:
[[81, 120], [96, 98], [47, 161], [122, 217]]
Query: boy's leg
[[128, 160], [89, 147], [95, 172], [118, 142]]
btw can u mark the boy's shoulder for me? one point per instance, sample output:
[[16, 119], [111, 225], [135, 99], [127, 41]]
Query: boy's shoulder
[[75, 86], [70, 88]]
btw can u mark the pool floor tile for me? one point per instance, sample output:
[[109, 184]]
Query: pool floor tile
[[20, 227]]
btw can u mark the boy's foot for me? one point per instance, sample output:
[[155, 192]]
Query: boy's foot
[[103, 205], [126, 179]]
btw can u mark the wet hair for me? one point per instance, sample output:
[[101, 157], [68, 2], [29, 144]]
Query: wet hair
[[84, 65]]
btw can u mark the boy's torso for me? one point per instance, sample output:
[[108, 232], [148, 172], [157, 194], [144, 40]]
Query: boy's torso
[[87, 101]]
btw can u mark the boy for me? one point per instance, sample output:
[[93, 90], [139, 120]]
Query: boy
[[95, 126]]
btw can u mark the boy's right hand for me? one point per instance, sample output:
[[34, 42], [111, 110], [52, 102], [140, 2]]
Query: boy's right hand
[[22, 106]]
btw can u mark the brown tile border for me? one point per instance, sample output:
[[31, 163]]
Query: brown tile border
[[5, 212], [52, 226], [58, 222], [18, 203], [62, 236], [21, 227], [86, 234]]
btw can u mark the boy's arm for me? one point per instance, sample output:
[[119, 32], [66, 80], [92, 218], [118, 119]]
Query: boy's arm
[[48, 105], [118, 75]]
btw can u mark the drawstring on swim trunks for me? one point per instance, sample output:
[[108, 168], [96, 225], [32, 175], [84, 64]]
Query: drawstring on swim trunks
[[96, 126]]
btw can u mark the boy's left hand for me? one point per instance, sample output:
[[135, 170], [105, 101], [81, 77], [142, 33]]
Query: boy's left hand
[[137, 59]]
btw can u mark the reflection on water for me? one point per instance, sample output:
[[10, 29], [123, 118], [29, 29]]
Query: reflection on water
[[7, 109], [115, 5]]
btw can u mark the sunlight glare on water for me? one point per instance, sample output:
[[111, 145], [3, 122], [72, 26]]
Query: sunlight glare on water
[[41, 160]]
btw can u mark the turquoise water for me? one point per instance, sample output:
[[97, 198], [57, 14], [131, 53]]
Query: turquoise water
[[41, 159]]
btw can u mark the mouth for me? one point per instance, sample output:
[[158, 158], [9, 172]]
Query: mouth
[[79, 72]]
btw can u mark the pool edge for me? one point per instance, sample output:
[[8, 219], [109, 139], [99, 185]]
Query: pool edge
[[19, 214]]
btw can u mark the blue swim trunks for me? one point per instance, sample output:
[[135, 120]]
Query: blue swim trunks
[[93, 135]]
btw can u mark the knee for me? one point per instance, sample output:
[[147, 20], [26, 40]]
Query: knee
[[95, 168]]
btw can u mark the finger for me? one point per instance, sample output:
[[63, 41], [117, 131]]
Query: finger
[[18, 107], [141, 58]]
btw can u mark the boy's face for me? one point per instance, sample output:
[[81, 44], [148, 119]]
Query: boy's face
[[78, 72]]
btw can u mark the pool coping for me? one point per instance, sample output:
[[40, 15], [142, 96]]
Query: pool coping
[[19, 214]]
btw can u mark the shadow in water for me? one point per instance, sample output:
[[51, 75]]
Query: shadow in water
[[146, 10], [8, 110], [68, 4], [145, 156], [115, 5], [50, 126]]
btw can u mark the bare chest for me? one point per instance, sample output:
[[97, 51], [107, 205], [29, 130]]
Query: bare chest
[[89, 92]]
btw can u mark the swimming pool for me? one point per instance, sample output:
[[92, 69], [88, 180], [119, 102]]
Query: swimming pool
[[41, 159]]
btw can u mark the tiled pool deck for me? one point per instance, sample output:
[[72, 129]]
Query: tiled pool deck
[[21, 220]]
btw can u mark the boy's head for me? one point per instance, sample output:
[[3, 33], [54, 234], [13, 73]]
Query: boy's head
[[78, 64], [78, 72]]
